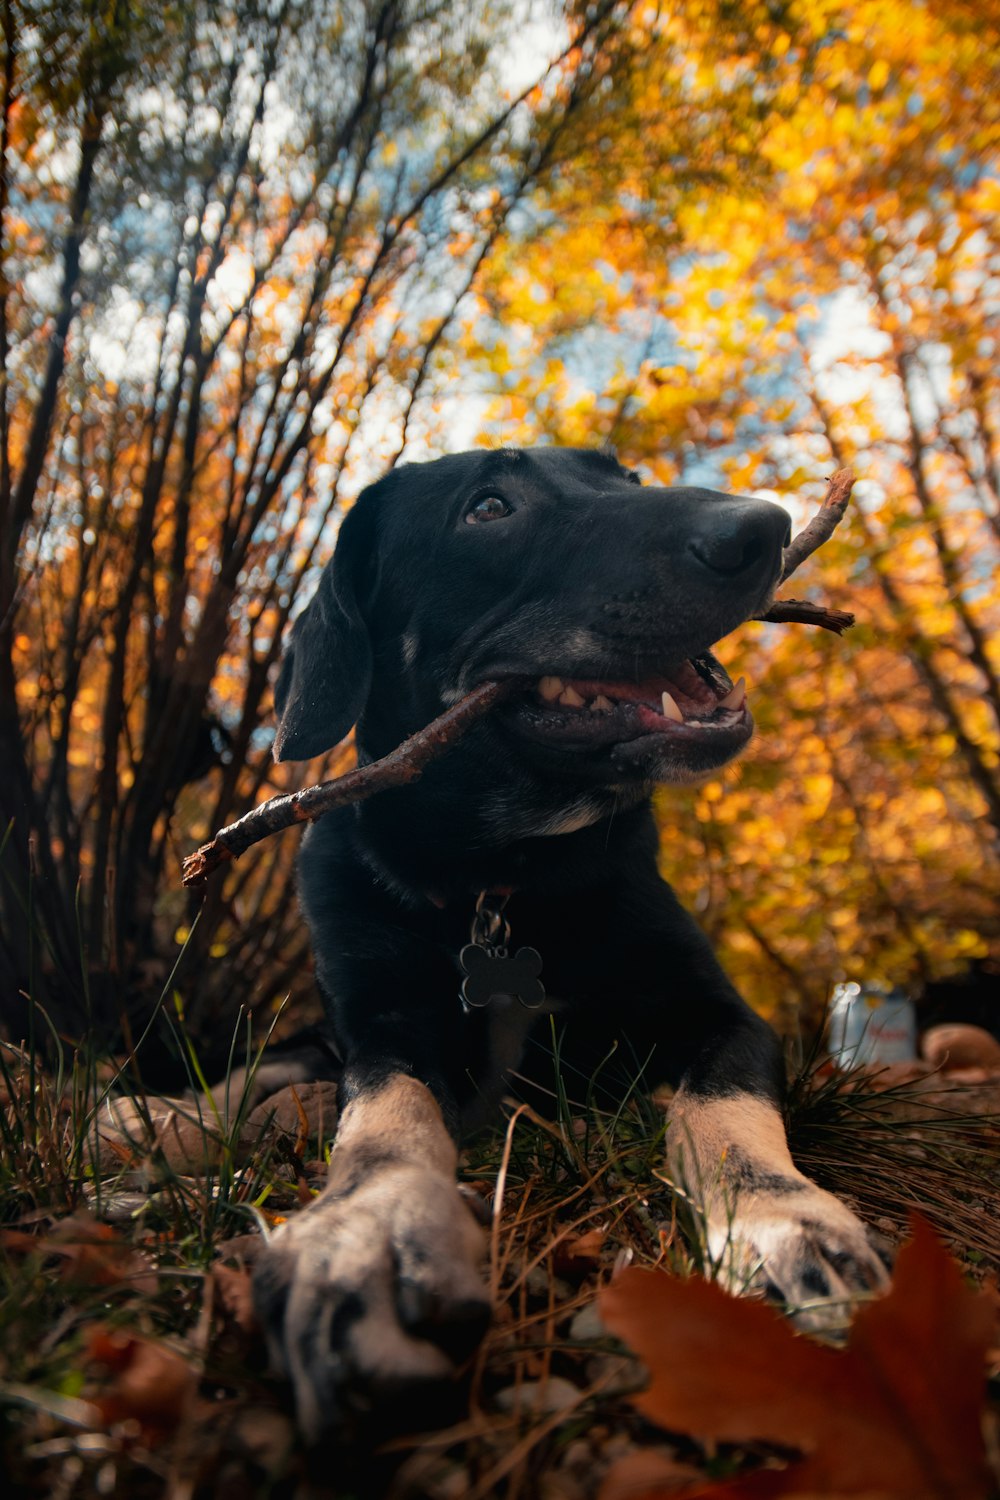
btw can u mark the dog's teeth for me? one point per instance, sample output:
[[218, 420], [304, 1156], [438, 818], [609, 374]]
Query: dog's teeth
[[550, 688], [737, 695], [571, 697], [671, 711], [601, 705]]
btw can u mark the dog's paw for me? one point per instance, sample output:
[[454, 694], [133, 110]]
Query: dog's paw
[[763, 1223], [804, 1247], [369, 1299]]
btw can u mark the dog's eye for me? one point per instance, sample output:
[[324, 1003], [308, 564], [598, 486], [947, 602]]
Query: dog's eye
[[488, 508]]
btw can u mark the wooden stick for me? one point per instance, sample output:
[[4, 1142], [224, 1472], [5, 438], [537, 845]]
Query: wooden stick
[[804, 612], [823, 524], [400, 766], [812, 536]]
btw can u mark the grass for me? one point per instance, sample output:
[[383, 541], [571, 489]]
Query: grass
[[900, 1148], [118, 1254]]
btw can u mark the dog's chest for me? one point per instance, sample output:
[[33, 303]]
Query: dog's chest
[[508, 1025]]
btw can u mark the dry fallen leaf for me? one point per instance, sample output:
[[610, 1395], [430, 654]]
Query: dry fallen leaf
[[148, 1384], [234, 1285], [578, 1255], [897, 1413], [90, 1253]]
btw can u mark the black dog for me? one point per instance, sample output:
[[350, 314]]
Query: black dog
[[534, 832]]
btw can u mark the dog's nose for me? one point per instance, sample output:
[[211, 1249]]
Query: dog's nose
[[741, 538]]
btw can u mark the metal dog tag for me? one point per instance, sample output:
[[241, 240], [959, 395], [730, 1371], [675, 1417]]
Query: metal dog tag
[[493, 971], [490, 969]]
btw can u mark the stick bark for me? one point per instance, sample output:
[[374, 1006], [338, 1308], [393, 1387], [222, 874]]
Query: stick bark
[[398, 768], [812, 536], [823, 524]]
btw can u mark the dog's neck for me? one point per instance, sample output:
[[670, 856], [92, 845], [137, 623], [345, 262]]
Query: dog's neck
[[446, 839]]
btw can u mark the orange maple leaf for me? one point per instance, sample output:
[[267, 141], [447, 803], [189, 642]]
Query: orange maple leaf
[[147, 1382], [896, 1413]]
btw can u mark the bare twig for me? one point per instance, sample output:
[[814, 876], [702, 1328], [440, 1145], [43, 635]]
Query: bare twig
[[804, 612], [399, 767], [812, 536], [823, 524]]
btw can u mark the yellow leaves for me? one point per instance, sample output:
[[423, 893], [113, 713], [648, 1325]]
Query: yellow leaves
[[928, 802], [845, 815], [878, 75], [801, 194], [817, 789], [985, 197], [968, 944], [498, 361]]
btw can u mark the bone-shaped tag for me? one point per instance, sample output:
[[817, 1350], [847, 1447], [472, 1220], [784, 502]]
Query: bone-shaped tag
[[491, 971]]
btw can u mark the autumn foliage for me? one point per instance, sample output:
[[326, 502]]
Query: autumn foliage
[[898, 1412], [798, 271], [250, 259], [235, 239]]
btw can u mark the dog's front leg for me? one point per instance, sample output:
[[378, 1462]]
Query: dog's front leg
[[370, 1294], [762, 1220]]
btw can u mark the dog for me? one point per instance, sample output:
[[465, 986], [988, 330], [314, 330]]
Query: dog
[[516, 882]]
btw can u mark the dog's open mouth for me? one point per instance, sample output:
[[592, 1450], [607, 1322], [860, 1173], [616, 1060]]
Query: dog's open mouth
[[695, 705]]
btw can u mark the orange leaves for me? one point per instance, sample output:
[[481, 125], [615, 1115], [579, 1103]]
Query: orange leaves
[[146, 1382], [89, 1253], [134, 1380], [894, 1414], [579, 1254], [766, 331]]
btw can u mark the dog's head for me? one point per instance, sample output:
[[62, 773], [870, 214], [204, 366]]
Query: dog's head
[[556, 566]]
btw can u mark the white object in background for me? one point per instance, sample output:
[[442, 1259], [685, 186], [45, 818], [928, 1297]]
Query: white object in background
[[871, 1024]]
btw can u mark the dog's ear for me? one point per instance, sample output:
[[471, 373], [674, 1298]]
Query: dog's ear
[[327, 667]]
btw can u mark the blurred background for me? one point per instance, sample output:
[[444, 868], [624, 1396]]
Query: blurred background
[[255, 253]]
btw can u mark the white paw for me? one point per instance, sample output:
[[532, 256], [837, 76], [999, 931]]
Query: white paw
[[371, 1293], [803, 1246], [762, 1222]]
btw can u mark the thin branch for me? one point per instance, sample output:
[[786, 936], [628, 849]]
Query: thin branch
[[398, 768], [812, 536], [804, 612], [920, 652], [91, 131], [823, 524]]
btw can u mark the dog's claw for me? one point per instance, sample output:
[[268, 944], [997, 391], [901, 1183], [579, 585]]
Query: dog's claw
[[807, 1251], [368, 1301]]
